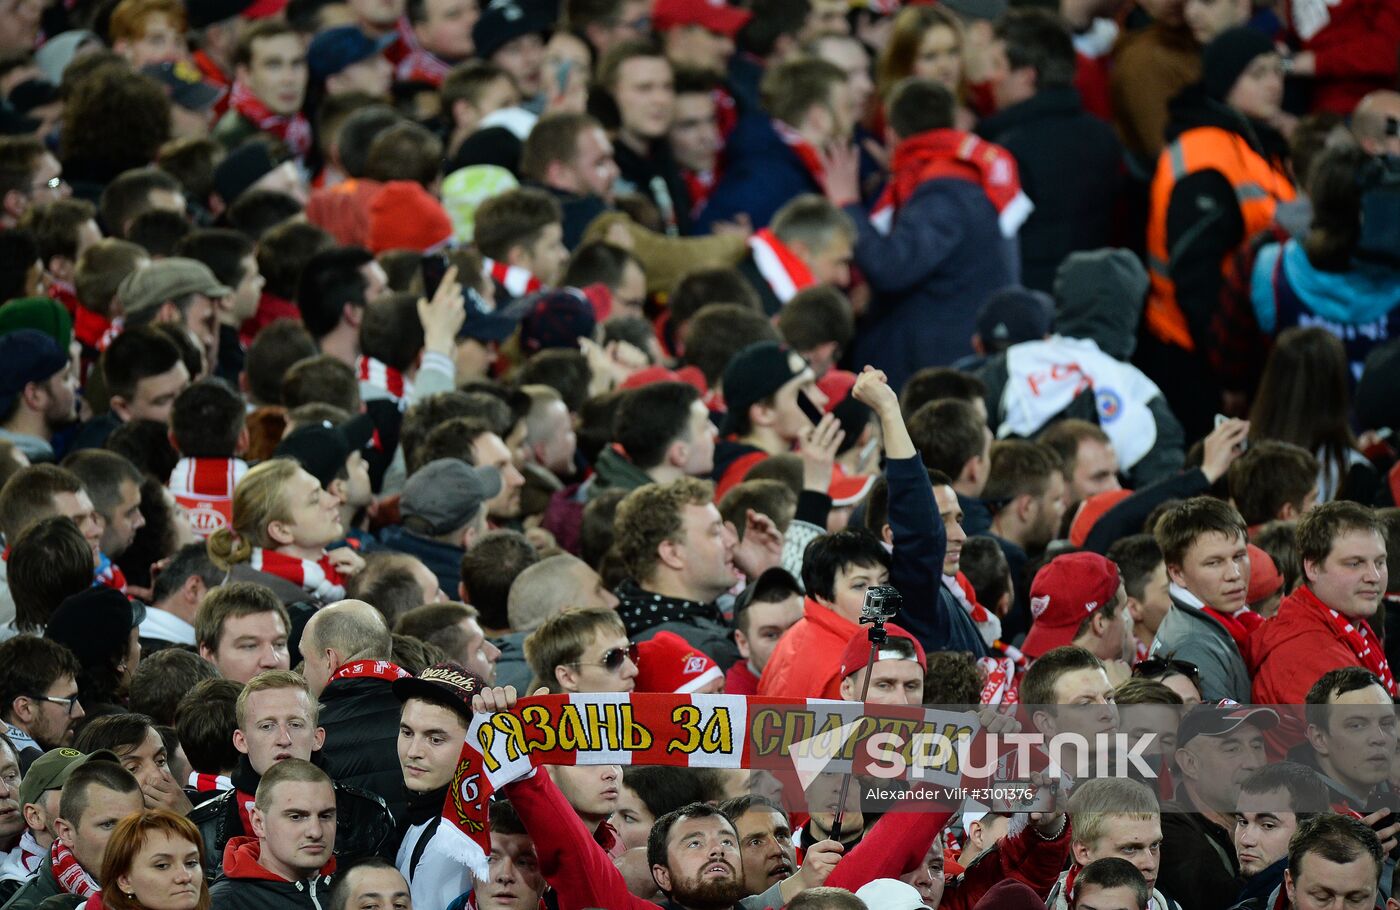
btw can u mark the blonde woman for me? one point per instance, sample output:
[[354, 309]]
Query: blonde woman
[[283, 520]]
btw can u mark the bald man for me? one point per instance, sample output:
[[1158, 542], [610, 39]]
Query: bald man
[[544, 589], [348, 653], [1376, 123]]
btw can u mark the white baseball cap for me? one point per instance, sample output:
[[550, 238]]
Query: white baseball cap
[[891, 894]]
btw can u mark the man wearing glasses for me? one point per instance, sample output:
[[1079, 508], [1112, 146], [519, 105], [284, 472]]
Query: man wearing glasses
[[29, 175], [583, 650], [38, 695]]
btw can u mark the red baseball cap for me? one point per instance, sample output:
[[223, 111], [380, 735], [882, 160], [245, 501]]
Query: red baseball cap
[[1064, 592], [1090, 511], [836, 385], [712, 15], [668, 663], [848, 489], [1264, 577], [857, 653]]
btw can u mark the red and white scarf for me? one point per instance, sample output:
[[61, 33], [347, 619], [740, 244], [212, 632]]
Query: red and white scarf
[[804, 150], [517, 281], [940, 154], [987, 623], [319, 578], [419, 64], [1000, 687], [209, 783], [204, 487], [380, 375], [109, 573], [30, 853], [370, 669], [1357, 635], [293, 129], [1239, 624], [71, 877], [783, 269], [699, 184]]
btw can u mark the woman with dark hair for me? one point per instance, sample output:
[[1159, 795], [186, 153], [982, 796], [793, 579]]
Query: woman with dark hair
[[152, 862], [1319, 280], [1305, 398]]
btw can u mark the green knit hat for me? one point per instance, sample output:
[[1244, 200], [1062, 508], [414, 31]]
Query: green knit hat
[[41, 313]]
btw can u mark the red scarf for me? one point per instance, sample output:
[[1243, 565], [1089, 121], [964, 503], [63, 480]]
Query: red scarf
[[370, 669], [319, 578], [1356, 633], [944, 154], [64, 293], [71, 877], [379, 374], [804, 150], [784, 271], [245, 815], [293, 129], [1239, 624], [419, 64], [699, 184], [204, 486], [208, 783], [517, 281]]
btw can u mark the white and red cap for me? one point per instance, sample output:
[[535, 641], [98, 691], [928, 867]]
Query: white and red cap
[[668, 663]]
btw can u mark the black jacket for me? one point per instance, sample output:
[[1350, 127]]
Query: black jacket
[[656, 177], [363, 825], [33, 892], [361, 720], [1199, 869], [1070, 163]]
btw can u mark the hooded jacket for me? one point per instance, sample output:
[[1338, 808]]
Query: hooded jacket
[[247, 885], [1035, 383], [1358, 306]]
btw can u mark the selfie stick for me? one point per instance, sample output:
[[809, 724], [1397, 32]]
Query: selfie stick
[[878, 636]]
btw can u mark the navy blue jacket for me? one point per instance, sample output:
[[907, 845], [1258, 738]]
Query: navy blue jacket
[[929, 613], [443, 559], [943, 257], [761, 175]]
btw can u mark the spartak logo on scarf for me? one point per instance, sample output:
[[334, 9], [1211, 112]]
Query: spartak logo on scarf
[[797, 739]]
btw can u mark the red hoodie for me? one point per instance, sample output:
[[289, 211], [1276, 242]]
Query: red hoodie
[[241, 855]]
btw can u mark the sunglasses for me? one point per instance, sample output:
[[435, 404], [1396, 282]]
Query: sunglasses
[[1157, 667], [613, 658]]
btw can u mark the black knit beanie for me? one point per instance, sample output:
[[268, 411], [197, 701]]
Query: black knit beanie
[[1228, 56]]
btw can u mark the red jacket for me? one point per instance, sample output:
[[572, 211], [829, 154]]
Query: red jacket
[[1291, 651], [807, 661], [1355, 49]]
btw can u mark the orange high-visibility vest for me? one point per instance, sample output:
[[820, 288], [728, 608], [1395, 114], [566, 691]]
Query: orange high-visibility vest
[[1259, 188]]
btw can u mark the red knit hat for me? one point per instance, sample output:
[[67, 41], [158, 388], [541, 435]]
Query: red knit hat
[[857, 653], [669, 663], [403, 216], [1090, 511], [1264, 577], [1065, 591]]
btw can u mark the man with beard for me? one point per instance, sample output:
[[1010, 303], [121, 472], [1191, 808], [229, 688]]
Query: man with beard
[[38, 392], [693, 851], [38, 695]]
